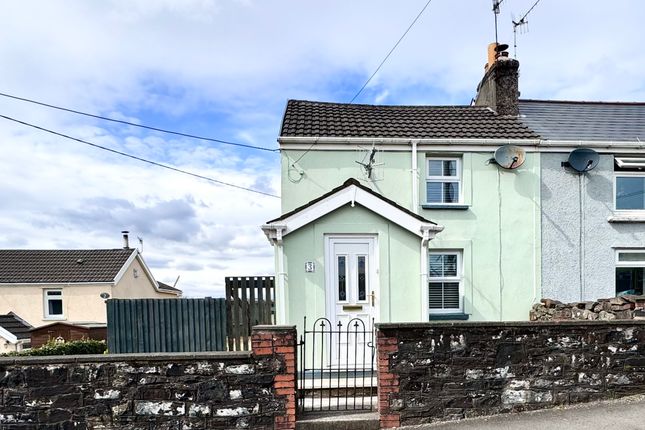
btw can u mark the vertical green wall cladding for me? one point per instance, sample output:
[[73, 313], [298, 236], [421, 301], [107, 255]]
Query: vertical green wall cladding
[[498, 232]]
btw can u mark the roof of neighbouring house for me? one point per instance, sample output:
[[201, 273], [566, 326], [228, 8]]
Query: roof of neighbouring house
[[591, 121], [15, 325], [166, 287], [25, 266], [321, 119]]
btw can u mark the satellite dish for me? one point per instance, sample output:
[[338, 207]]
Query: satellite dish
[[104, 296], [509, 156], [583, 159]]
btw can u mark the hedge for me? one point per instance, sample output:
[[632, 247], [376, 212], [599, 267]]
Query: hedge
[[74, 347]]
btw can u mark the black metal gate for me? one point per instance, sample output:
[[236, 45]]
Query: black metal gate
[[337, 366]]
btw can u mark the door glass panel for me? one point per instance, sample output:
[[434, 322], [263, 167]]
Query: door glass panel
[[342, 277], [629, 280], [361, 278], [631, 256]]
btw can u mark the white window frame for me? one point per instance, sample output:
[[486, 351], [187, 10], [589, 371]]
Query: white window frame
[[46, 300], [459, 278], [628, 264], [458, 179]]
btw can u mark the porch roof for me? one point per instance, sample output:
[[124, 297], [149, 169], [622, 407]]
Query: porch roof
[[351, 191]]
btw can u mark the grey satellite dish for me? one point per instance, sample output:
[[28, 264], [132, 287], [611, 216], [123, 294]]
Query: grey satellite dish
[[583, 159], [509, 156], [104, 296]]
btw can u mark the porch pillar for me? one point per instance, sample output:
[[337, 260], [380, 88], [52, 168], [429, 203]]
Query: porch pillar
[[280, 342], [387, 381]]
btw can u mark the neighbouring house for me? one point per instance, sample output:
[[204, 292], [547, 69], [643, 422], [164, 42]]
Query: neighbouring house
[[71, 285], [396, 212], [14, 333], [593, 223]]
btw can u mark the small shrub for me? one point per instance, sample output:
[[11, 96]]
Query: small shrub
[[74, 347]]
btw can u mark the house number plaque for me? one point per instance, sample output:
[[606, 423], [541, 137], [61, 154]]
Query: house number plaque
[[310, 266]]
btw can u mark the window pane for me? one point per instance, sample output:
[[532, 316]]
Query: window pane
[[434, 192], [630, 192], [436, 265], [450, 192], [54, 293], [449, 265], [434, 168], [436, 295], [361, 277], [342, 288], [629, 280], [631, 256], [451, 295], [450, 168], [55, 307]]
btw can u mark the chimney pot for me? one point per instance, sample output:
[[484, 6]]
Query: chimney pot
[[126, 241]]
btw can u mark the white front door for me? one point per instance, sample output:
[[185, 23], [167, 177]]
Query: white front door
[[352, 294]]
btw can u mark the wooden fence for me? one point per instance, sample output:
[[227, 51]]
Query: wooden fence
[[166, 325], [249, 301]]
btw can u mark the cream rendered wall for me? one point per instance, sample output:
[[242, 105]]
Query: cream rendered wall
[[81, 302], [398, 294], [141, 287]]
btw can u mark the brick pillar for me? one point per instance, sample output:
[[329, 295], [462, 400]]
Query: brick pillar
[[280, 341], [388, 382]]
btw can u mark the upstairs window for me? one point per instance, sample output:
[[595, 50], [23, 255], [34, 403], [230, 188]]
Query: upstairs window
[[630, 272], [53, 304], [629, 183], [443, 181], [444, 282]]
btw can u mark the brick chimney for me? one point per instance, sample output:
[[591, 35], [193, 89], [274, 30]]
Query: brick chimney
[[498, 88]]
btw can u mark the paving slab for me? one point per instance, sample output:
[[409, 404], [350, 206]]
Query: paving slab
[[627, 413]]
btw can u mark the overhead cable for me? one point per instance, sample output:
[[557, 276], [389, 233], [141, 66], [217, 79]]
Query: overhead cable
[[134, 157], [391, 51], [147, 127]]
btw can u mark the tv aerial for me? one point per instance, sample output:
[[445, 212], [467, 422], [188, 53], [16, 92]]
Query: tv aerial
[[508, 157], [582, 160], [523, 25], [368, 163]]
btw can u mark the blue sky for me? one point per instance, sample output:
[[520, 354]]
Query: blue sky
[[225, 69]]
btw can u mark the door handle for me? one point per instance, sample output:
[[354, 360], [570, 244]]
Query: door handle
[[372, 297]]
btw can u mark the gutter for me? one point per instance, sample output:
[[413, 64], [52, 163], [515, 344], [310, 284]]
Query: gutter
[[401, 141]]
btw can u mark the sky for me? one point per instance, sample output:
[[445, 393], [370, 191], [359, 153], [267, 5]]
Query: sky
[[224, 69]]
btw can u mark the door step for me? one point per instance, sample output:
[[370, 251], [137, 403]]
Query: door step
[[349, 420]]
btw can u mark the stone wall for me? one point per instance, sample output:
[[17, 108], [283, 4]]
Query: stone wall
[[616, 308], [160, 391], [446, 371]]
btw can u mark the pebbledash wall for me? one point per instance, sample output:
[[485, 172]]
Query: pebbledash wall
[[162, 391], [434, 372]]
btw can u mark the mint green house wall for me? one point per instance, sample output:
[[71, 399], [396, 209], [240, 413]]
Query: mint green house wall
[[499, 232], [398, 274]]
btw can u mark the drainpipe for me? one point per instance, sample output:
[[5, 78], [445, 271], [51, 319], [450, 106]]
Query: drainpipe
[[415, 178], [280, 280]]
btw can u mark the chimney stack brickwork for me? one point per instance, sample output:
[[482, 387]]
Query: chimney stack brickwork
[[499, 89]]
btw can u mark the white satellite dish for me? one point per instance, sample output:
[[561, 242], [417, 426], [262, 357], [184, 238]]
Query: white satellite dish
[[509, 156]]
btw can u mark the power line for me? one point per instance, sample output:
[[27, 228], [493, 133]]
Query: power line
[[391, 51], [147, 127], [134, 157]]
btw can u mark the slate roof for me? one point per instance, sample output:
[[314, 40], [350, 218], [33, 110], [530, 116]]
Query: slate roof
[[315, 119], [15, 325], [347, 183], [76, 265], [572, 120]]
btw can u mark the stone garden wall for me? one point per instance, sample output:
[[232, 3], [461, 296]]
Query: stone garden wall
[[444, 371], [615, 308], [161, 391]]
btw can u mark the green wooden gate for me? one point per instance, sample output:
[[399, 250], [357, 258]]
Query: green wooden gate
[[166, 325]]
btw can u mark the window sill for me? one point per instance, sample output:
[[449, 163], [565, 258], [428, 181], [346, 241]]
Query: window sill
[[445, 206], [448, 317], [54, 319], [627, 217]]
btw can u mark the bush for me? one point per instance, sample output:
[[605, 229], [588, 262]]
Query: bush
[[74, 347]]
